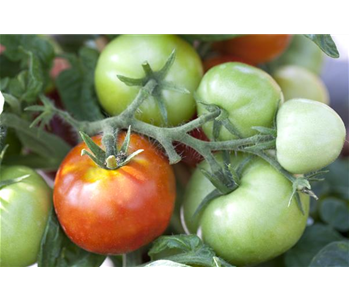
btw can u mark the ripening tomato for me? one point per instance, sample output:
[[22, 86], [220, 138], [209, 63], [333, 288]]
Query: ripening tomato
[[253, 223], [115, 211], [298, 82], [125, 56], [249, 95], [256, 48], [310, 135], [221, 59]]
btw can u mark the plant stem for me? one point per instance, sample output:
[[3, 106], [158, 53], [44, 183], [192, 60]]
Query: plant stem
[[13, 283]]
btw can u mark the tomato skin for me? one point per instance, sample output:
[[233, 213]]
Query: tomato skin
[[115, 211], [248, 94], [24, 207], [298, 82], [310, 135], [125, 55], [256, 48], [217, 60], [252, 224]]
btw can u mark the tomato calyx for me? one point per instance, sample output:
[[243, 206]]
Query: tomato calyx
[[161, 83], [221, 121], [226, 180], [112, 158], [8, 182]]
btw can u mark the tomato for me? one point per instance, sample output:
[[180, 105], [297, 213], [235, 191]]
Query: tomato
[[24, 207], [301, 52], [310, 135], [298, 82], [217, 60], [256, 48], [189, 156], [253, 223], [115, 211], [249, 95], [125, 56]]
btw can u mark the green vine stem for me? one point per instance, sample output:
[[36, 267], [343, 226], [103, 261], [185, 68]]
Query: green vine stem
[[166, 136]]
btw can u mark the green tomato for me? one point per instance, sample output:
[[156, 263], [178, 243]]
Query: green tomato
[[252, 224], [301, 52], [24, 208], [125, 56], [310, 136], [298, 82], [249, 96]]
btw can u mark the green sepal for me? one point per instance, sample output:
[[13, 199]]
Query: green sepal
[[211, 196], [126, 143], [95, 149], [12, 181]]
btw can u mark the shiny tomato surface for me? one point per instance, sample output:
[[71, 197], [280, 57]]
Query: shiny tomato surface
[[115, 211]]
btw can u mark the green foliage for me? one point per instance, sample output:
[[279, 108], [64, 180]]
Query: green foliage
[[58, 251], [185, 249], [76, 86], [335, 254], [325, 43], [313, 240], [335, 213]]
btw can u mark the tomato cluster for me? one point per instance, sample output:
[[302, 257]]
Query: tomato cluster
[[110, 201]]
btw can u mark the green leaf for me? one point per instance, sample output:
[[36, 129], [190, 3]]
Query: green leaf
[[313, 240], [56, 249], [76, 86], [133, 259], [4, 82], [116, 259], [335, 254], [335, 213], [34, 55], [208, 37], [185, 249], [37, 140], [336, 180], [325, 43]]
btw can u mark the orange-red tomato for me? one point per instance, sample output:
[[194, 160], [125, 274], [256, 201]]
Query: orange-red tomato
[[115, 211], [256, 48], [221, 59]]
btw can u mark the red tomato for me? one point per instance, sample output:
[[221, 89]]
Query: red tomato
[[256, 48], [217, 60], [115, 211], [189, 156]]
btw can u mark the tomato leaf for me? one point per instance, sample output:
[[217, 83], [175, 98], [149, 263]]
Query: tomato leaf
[[335, 213], [76, 86], [33, 55], [57, 250], [325, 43], [336, 180], [208, 37], [38, 141], [313, 240], [185, 249], [335, 254], [116, 259]]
